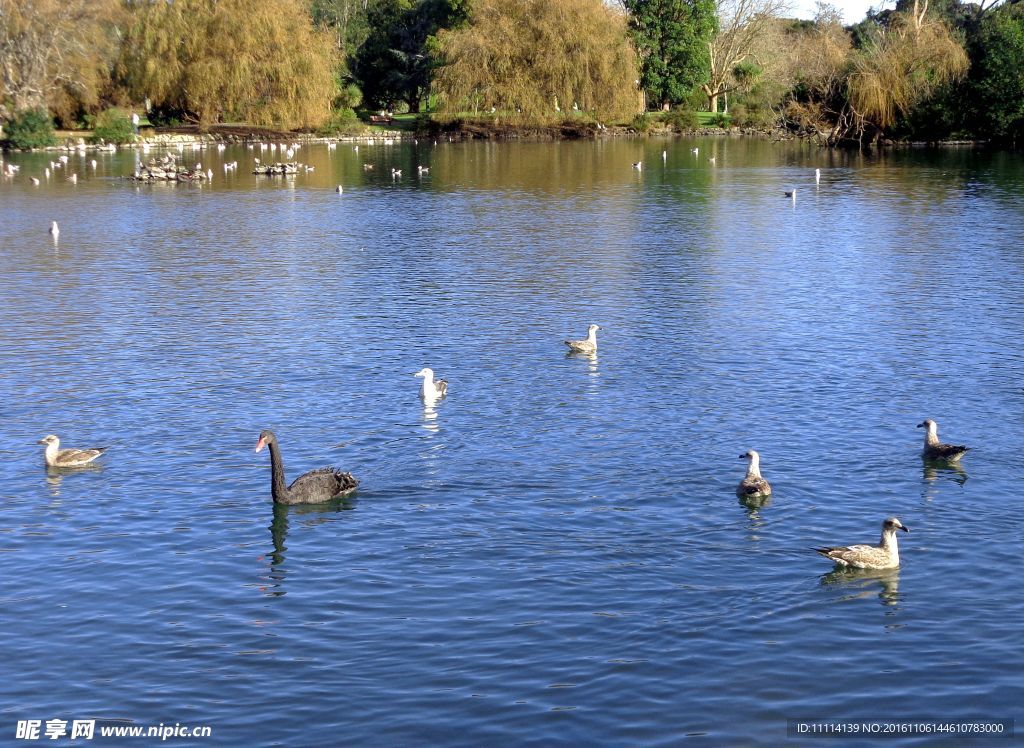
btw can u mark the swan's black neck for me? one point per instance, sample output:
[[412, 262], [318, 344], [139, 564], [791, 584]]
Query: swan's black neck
[[277, 487]]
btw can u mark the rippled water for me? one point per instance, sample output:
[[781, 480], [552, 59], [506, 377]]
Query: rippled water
[[554, 554]]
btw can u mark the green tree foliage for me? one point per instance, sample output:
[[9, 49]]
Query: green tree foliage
[[55, 54], [114, 126], [995, 90], [218, 60], [33, 128], [672, 38], [534, 59], [397, 59]]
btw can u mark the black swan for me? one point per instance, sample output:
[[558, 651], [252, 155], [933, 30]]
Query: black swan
[[313, 487]]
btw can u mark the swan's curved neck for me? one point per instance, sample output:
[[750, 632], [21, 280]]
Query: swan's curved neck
[[277, 487]]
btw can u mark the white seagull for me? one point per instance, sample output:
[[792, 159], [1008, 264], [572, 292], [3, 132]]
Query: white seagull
[[432, 388], [885, 555]]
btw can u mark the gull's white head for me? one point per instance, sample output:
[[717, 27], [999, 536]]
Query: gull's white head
[[49, 439], [892, 524], [593, 328], [753, 462], [427, 374], [931, 429]]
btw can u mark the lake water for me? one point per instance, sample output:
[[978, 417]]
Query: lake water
[[554, 554]]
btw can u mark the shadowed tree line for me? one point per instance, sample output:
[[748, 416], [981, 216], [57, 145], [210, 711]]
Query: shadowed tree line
[[925, 69]]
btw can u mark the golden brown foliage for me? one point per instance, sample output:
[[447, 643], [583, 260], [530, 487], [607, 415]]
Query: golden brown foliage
[[904, 66], [532, 58], [55, 54], [262, 63]]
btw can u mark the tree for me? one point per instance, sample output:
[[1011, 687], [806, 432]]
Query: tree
[[263, 63], [55, 54], [741, 23], [996, 86], [901, 67], [396, 61], [537, 57], [671, 37]]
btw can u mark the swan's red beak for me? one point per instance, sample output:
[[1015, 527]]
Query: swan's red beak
[[260, 444]]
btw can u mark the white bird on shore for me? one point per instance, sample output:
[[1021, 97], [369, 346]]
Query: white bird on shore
[[885, 555], [432, 388]]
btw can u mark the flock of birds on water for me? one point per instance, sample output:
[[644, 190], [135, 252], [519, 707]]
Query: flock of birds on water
[[327, 484]]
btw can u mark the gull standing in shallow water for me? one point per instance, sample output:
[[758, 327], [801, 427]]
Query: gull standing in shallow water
[[432, 388], [585, 346], [57, 457], [885, 555], [753, 485], [936, 450]]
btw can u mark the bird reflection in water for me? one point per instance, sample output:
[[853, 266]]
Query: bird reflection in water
[[935, 469], [592, 368], [866, 583], [55, 475], [752, 506], [309, 515]]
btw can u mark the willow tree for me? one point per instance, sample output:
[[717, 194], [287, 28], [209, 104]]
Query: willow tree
[[533, 59], [216, 60], [903, 66], [55, 54]]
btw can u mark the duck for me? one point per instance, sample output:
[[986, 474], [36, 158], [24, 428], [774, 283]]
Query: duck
[[585, 346], [885, 555], [753, 485], [936, 450], [57, 457], [314, 487], [432, 388], [790, 193]]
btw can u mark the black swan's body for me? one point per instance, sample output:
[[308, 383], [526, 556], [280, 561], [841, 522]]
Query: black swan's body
[[314, 487]]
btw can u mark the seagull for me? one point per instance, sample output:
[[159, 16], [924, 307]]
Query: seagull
[[367, 167], [423, 169], [664, 155], [934, 449], [57, 457], [92, 163], [585, 346], [35, 181], [73, 179], [339, 189], [432, 388], [753, 485], [639, 165], [54, 229], [817, 176], [395, 173], [695, 151], [885, 555]]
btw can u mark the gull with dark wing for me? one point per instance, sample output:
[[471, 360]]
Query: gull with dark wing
[[753, 485], [936, 450], [885, 555], [57, 457]]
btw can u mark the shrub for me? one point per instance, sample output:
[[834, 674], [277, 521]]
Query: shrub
[[31, 129], [682, 119], [721, 119], [113, 126], [349, 96], [641, 123], [342, 122]]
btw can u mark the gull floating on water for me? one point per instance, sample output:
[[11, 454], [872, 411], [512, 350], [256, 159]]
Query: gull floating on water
[[57, 457], [936, 450], [339, 189], [585, 346], [35, 181], [817, 176], [753, 485], [432, 388], [639, 165], [54, 229], [885, 555]]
